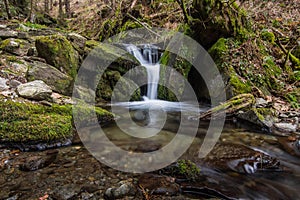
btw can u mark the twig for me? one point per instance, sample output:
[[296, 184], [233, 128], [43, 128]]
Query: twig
[[143, 24]]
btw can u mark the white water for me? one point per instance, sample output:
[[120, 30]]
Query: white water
[[149, 59]]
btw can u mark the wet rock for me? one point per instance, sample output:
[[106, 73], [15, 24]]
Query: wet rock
[[77, 41], [58, 81], [58, 52], [3, 84], [66, 192], [240, 158], [286, 127], [4, 34], [36, 90], [252, 116], [125, 189], [33, 163], [159, 185]]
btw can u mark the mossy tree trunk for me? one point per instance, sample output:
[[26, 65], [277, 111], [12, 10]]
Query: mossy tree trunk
[[213, 19]]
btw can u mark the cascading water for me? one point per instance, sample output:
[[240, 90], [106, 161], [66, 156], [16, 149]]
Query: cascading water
[[148, 57]]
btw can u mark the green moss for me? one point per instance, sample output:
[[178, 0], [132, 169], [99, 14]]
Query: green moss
[[58, 52], [187, 168], [267, 36], [14, 59], [25, 122], [22, 122], [239, 86], [218, 50]]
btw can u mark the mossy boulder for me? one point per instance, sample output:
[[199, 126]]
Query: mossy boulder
[[26, 122], [58, 81], [58, 52], [32, 122]]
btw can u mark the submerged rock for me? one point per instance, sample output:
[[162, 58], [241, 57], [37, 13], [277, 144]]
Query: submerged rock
[[125, 189], [36, 90]]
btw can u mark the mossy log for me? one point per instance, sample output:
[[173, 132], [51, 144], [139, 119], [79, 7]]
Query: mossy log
[[232, 106]]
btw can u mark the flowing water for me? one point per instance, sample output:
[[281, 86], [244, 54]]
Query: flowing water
[[148, 57]]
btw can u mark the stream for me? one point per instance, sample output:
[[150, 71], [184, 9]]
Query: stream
[[244, 164]]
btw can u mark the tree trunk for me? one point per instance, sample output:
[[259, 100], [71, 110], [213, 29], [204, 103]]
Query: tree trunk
[[60, 10], [67, 7], [51, 4], [7, 9], [46, 6]]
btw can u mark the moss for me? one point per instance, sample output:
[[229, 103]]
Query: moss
[[14, 59], [26, 122], [218, 50], [58, 52], [187, 168], [267, 36], [239, 86], [295, 61]]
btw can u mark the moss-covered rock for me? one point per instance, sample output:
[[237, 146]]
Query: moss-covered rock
[[58, 81], [213, 19], [59, 52], [15, 46], [29, 122]]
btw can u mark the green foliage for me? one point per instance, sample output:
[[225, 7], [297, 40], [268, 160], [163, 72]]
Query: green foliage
[[294, 99], [34, 26]]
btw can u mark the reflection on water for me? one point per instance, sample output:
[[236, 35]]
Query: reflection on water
[[244, 164]]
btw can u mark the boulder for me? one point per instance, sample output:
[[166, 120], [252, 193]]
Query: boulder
[[58, 52], [58, 81], [37, 90], [77, 41]]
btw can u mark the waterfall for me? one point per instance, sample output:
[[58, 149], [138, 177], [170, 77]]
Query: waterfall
[[148, 57]]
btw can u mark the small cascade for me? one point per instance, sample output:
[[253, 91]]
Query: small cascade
[[148, 56]]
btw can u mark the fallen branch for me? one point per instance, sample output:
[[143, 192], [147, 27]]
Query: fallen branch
[[143, 24], [230, 107]]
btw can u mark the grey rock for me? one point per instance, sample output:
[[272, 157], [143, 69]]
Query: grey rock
[[77, 41], [58, 81], [3, 26], [36, 90], [252, 117], [4, 34], [23, 35], [260, 103], [84, 93], [286, 127], [3, 85], [125, 189], [19, 68], [14, 83], [10, 45]]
